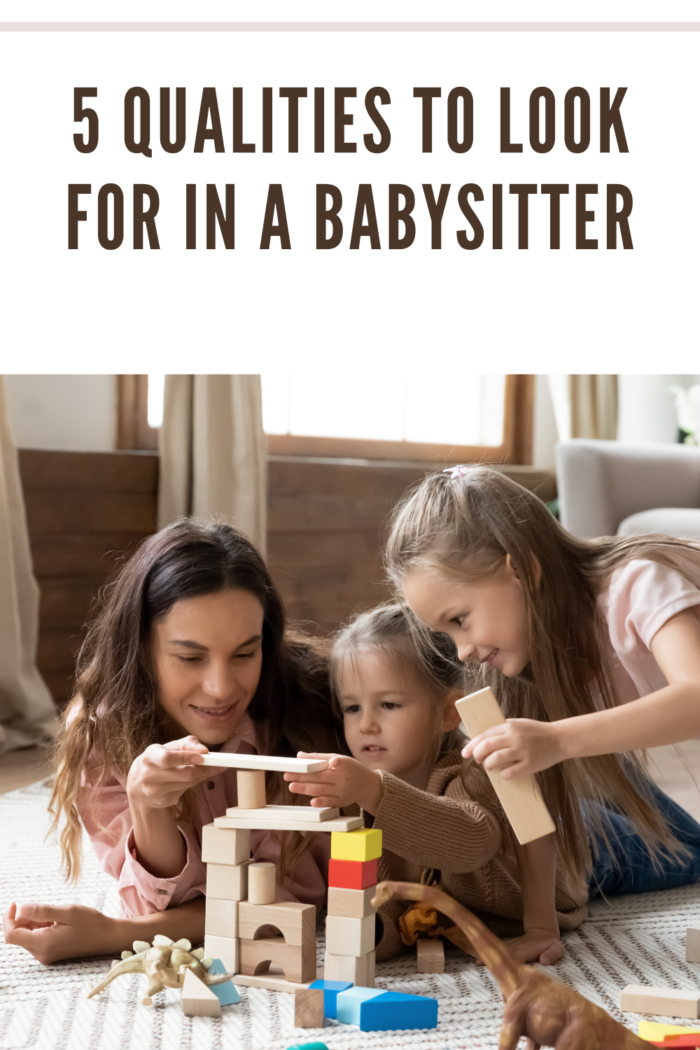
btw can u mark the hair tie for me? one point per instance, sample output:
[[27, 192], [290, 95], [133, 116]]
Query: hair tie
[[457, 472]]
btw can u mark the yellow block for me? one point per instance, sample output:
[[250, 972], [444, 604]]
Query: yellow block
[[654, 1030], [362, 844]]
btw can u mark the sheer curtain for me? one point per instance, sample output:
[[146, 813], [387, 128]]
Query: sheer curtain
[[213, 452], [585, 406], [27, 711]]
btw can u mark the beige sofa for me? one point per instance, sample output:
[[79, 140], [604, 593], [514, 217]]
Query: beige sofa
[[606, 488]]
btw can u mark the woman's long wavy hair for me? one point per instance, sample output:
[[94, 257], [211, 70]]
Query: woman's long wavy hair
[[115, 713], [463, 528], [390, 629]]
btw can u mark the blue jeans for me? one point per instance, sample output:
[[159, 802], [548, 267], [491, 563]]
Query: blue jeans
[[626, 865]]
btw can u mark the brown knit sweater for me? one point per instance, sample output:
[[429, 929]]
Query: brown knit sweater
[[468, 843]]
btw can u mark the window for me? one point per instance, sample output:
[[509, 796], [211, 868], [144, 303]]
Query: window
[[139, 411]]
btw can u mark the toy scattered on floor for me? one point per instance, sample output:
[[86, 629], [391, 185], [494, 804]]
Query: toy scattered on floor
[[165, 963], [330, 994], [521, 799], [655, 1031], [308, 1046], [377, 1011], [546, 1012], [692, 944], [309, 1009], [430, 955], [196, 999], [679, 1041], [225, 993], [672, 1002]]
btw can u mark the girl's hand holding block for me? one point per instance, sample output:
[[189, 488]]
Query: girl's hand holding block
[[346, 781], [517, 747]]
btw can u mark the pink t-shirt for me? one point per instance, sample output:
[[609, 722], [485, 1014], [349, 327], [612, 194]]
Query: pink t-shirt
[[641, 597], [104, 811]]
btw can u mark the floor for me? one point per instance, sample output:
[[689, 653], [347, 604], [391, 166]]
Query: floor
[[674, 769]]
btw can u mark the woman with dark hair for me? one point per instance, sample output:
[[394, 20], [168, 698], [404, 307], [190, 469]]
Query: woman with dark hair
[[190, 652]]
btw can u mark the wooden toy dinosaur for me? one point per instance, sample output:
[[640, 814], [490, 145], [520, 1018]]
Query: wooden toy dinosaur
[[545, 1011], [164, 963]]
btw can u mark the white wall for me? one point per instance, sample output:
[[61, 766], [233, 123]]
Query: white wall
[[75, 413], [646, 410]]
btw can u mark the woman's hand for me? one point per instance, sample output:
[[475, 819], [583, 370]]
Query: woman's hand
[[344, 782], [161, 775], [517, 747], [65, 932]]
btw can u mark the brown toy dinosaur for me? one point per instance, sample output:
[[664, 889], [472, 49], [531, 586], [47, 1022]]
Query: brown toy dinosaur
[[546, 1012]]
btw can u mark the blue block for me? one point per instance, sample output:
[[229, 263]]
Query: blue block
[[225, 993], [349, 1003], [330, 994], [395, 1011]]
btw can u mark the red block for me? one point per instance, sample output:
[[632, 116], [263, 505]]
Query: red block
[[352, 874]]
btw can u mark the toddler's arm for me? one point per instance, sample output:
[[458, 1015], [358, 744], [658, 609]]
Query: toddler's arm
[[537, 868]]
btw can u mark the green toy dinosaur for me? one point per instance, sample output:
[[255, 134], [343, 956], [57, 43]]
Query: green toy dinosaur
[[164, 963]]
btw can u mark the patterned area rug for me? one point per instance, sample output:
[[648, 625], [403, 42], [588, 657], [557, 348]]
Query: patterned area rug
[[634, 940]]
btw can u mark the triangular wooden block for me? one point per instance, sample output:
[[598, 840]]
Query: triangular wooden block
[[197, 999]]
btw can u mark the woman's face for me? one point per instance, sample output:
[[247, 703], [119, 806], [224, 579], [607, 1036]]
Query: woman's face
[[207, 657]]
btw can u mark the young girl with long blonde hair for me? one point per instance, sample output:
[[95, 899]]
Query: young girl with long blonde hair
[[593, 649]]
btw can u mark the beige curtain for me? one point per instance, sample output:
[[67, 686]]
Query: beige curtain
[[27, 712], [213, 452], [585, 406]]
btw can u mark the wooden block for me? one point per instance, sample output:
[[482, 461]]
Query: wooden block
[[296, 922], [228, 882], [430, 955], [330, 991], [672, 1002], [350, 936], [198, 1000], [521, 799], [221, 917], [273, 982], [298, 962], [225, 845], [352, 874], [309, 1009], [652, 1030], [251, 789], [262, 882], [390, 1011], [692, 944], [352, 904], [357, 969], [226, 992], [362, 844], [224, 948], [276, 824], [312, 814], [225, 760]]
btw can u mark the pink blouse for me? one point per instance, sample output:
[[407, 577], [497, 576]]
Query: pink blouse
[[104, 811], [641, 597]]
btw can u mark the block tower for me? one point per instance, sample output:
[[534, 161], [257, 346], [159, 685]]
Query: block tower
[[241, 893], [350, 927]]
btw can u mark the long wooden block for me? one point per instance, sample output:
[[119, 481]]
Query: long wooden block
[[224, 948], [430, 955], [221, 917], [309, 1011], [258, 824], [521, 799], [272, 981], [311, 813], [350, 904], [350, 936], [225, 845], [352, 874], [228, 882], [653, 1031], [298, 962], [363, 844], [197, 1000], [672, 1002], [272, 762], [692, 944], [357, 969], [296, 922]]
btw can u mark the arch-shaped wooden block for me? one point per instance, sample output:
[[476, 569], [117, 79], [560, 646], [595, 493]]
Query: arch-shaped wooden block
[[297, 961], [296, 922]]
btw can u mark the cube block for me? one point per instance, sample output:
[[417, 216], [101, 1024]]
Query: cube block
[[330, 994], [396, 1011], [228, 882], [224, 948], [349, 1003], [350, 936], [363, 844], [357, 969], [221, 918], [225, 993], [430, 955], [352, 874], [309, 1009], [225, 845], [350, 904]]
